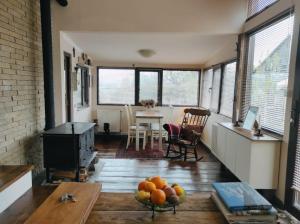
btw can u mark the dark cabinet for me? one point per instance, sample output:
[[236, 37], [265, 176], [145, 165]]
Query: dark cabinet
[[69, 146]]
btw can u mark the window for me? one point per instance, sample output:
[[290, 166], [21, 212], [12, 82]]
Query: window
[[116, 86], [256, 6], [148, 89], [267, 73], [228, 84], [81, 95], [180, 88], [85, 86], [206, 88], [216, 85], [167, 87]]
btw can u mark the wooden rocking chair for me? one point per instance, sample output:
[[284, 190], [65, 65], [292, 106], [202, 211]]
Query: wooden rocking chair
[[192, 127]]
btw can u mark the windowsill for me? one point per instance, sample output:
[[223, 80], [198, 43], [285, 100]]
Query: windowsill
[[141, 105], [80, 108]]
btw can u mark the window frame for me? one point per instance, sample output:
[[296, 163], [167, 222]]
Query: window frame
[[160, 84], [216, 67], [137, 84], [85, 86], [198, 86], [284, 14], [98, 95], [210, 88], [223, 65], [261, 11]]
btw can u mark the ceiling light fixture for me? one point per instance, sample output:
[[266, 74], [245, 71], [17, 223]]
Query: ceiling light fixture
[[146, 53], [62, 2]]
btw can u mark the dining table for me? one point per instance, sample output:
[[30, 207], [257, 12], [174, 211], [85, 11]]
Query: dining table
[[148, 117]]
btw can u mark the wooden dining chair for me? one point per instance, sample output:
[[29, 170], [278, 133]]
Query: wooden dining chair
[[132, 130], [154, 133], [192, 126]]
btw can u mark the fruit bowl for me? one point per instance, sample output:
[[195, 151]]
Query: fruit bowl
[[155, 194]]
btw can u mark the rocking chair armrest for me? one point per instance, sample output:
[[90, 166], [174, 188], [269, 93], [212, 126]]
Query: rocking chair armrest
[[198, 134]]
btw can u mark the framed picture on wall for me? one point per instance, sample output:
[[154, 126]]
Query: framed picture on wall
[[250, 118]]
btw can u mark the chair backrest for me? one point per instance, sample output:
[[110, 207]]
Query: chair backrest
[[193, 116], [194, 120], [132, 118], [128, 115]]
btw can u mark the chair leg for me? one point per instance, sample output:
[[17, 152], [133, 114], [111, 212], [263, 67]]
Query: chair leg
[[152, 140], [168, 150], [144, 140], [128, 140], [196, 153], [185, 153]]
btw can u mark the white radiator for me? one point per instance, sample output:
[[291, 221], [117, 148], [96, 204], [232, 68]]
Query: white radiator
[[111, 116], [214, 138]]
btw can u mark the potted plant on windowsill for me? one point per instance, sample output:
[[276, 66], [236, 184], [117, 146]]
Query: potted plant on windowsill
[[148, 104]]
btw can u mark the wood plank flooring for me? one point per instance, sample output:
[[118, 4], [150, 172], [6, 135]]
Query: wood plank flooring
[[123, 175]]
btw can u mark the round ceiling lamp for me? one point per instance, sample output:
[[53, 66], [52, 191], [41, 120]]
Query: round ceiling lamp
[[63, 3], [146, 53]]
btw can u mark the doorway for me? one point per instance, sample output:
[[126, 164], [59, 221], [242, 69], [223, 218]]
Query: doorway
[[68, 91]]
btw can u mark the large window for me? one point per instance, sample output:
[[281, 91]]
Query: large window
[[180, 88], [256, 6], [267, 73], [228, 85], [206, 88], [148, 89], [130, 86], [116, 86], [216, 85]]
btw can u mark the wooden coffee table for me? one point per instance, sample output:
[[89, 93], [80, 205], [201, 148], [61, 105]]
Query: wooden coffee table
[[122, 208]]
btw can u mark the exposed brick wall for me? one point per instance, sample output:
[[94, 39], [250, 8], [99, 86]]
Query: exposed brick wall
[[21, 83]]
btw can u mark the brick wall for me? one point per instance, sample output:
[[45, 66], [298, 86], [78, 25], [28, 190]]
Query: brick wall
[[21, 83]]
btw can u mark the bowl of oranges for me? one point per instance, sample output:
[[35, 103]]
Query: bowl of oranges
[[156, 194]]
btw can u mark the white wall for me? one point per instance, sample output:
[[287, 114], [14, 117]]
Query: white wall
[[83, 114]]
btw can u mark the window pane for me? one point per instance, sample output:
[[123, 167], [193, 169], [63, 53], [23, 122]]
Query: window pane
[[116, 86], [228, 89], [77, 94], [255, 6], [148, 85], [180, 87], [206, 88], [268, 71], [215, 95]]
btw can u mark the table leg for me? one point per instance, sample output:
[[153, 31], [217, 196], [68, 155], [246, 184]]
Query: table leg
[[137, 137], [160, 135]]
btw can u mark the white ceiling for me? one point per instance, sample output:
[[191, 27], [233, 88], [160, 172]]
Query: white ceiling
[[170, 48], [180, 31]]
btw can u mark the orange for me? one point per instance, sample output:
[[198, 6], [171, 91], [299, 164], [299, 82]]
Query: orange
[[149, 187], [142, 185], [179, 190], [158, 197], [143, 195], [159, 182]]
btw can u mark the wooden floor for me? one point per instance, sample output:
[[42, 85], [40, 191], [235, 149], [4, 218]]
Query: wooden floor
[[123, 175]]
